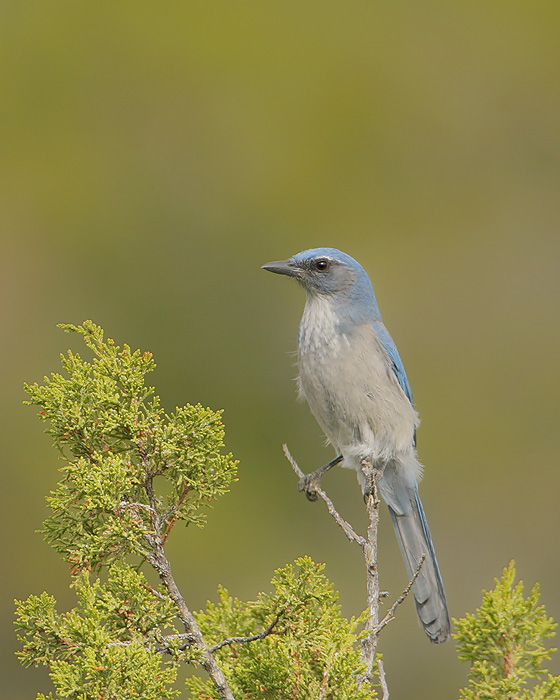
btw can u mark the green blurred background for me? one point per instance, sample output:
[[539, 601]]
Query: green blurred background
[[155, 155]]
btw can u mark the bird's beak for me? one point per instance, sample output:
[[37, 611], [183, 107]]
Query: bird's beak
[[282, 267]]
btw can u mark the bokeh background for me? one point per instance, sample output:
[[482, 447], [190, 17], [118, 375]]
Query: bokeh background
[[154, 155]]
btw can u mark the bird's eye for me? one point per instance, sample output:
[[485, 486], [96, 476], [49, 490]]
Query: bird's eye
[[321, 265]]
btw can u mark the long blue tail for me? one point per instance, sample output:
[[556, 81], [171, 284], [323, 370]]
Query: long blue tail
[[398, 488], [415, 541]]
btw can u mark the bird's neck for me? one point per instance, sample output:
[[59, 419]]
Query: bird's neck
[[320, 322], [326, 316]]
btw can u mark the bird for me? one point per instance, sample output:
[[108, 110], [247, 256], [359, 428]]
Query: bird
[[355, 384]]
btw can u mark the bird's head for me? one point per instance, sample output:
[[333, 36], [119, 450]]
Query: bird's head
[[326, 272]]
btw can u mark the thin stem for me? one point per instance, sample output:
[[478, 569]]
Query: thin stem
[[382, 679], [172, 513], [250, 638], [161, 564], [390, 614], [369, 643], [348, 530]]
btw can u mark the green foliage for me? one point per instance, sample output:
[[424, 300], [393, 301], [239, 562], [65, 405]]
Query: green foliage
[[130, 473], [105, 647], [504, 643], [123, 452], [311, 651]]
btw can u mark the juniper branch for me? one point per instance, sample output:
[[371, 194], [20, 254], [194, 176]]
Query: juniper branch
[[161, 564], [250, 638]]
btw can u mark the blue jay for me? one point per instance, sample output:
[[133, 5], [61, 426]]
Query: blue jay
[[353, 379]]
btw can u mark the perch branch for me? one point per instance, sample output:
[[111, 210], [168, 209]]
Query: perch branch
[[348, 530], [369, 549], [369, 643]]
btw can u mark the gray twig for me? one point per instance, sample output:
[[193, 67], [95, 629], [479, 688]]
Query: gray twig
[[382, 679], [164, 647], [250, 638], [390, 614], [161, 564], [189, 638], [348, 530], [369, 643]]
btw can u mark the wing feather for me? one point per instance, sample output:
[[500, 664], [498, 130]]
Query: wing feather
[[396, 362]]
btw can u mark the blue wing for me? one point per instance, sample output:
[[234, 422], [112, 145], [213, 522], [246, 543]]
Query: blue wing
[[396, 362]]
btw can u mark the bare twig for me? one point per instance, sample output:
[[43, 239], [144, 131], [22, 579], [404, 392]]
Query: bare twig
[[390, 614], [382, 679], [348, 530], [154, 592], [369, 643], [164, 648], [251, 638], [188, 638], [134, 506]]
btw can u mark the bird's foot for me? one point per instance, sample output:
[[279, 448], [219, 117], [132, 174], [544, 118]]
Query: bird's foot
[[368, 490], [371, 476], [309, 484]]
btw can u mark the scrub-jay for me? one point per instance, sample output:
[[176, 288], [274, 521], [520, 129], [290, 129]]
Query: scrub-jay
[[354, 381]]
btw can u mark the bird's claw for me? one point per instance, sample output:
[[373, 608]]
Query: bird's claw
[[368, 490], [309, 483], [372, 477]]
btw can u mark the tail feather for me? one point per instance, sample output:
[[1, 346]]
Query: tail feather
[[414, 538]]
